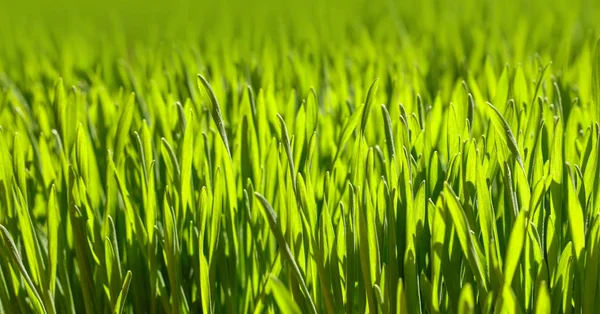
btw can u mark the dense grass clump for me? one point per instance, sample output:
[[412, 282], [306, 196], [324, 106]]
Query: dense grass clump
[[326, 157]]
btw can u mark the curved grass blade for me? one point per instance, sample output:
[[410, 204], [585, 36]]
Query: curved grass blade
[[389, 135], [347, 130], [215, 110], [464, 233], [120, 304], [288, 150], [368, 104], [285, 249], [14, 254], [123, 127], [504, 128]]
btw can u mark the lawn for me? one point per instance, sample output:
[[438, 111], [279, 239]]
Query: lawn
[[300, 157]]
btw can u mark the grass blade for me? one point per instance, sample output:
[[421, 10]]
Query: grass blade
[[38, 304], [285, 249], [215, 110], [120, 304]]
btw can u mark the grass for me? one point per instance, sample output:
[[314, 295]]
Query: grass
[[433, 157]]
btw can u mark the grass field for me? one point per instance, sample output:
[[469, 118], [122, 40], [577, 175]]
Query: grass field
[[309, 157]]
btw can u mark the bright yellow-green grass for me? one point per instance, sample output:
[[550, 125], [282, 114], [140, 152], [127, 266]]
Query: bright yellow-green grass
[[431, 156]]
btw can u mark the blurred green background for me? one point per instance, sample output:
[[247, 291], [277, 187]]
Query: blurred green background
[[443, 22], [444, 40]]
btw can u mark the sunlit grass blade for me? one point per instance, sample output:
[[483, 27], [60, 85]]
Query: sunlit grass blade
[[504, 128], [38, 304], [283, 298], [54, 221], [120, 304], [466, 303], [285, 249], [464, 234], [215, 110], [514, 248]]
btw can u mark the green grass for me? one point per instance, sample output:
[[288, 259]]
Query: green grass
[[418, 157]]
